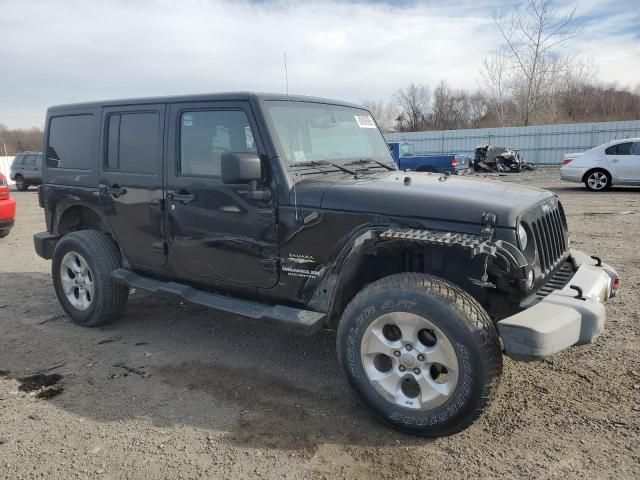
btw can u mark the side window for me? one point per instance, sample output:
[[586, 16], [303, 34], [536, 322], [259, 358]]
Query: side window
[[635, 150], [620, 149], [19, 161], [30, 161], [132, 142], [624, 148], [69, 142], [206, 135]]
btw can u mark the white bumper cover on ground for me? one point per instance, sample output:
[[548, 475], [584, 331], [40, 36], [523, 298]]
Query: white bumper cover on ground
[[560, 320]]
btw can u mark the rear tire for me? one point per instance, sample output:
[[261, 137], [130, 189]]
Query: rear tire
[[20, 184], [4, 233], [81, 268], [597, 180], [420, 353]]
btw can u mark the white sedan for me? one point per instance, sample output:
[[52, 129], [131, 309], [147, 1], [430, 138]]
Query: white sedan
[[614, 163]]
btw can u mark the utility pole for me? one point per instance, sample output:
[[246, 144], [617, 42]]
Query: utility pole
[[5, 147]]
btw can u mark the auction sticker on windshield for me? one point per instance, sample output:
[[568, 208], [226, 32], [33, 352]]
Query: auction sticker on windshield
[[365, 121]]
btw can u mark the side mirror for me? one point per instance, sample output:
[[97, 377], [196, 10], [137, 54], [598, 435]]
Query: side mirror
[[245, 168], [241, 168]]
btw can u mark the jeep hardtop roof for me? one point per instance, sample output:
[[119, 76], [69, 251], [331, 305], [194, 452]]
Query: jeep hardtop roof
[[229, 96]]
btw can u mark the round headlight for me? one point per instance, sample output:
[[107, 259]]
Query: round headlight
[[522, 237]]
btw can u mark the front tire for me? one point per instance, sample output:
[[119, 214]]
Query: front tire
[[597, 180], [20, 183], [420, 353], [81, 268]]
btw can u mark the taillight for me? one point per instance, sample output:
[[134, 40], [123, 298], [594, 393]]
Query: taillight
[[40, 197], [454, 162], [567, 161], [4, 188]]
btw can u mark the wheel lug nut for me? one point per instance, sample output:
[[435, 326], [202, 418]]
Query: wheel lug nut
[[421, 357], [402, 368], [396, 353], [408, 346], [416, 371]]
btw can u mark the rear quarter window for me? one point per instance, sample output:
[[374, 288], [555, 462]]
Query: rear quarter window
[[69, 144], [133, 142]]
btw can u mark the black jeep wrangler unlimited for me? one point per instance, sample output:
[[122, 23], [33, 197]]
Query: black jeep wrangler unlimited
[[291, 210]]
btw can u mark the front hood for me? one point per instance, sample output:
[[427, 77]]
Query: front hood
[[423, 195]]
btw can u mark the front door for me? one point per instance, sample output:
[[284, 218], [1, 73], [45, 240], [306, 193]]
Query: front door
[[624, 160], [131, 179], [214, 231]]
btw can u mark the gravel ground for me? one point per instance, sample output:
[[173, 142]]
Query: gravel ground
[[209, 395]]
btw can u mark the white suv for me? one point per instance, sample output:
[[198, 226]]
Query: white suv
[[614, 163]]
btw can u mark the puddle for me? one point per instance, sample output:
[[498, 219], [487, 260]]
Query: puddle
[[49, 393], [46, 385], [39, 381]]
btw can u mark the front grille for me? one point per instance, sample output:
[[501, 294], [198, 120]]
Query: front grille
[[558, 280], [548, 226]]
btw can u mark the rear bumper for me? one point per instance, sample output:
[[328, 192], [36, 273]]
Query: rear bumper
[[569, 174], [7, 209], [44, 243], [560, 320], [6, 224]]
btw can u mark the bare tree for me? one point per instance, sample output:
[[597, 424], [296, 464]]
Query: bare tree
[[18, 140], [413, 103], [385, 113], [495, 76], [533, 36]]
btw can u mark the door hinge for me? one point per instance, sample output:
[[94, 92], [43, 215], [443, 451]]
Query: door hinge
[[270, 264], [160, 247]]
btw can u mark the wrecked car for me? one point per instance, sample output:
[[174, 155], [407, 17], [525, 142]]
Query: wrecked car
[[291, 211], [490, 158]]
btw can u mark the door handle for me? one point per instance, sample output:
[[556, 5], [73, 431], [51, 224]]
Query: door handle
[[116, 190], [615, 160], [181, 197]]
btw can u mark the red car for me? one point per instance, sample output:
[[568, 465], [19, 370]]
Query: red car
[[7, 208]]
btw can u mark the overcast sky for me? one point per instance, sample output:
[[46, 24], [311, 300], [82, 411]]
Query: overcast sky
[[54, 52]]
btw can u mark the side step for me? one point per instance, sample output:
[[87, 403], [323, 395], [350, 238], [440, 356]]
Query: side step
[[301, 321]]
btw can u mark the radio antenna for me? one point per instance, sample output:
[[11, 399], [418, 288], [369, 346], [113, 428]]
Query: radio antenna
[[286, 75], [286, 81]]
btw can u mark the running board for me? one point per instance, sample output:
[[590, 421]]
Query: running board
[[301, 321]]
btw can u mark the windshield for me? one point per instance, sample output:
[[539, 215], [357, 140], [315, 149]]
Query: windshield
[[309, 132]]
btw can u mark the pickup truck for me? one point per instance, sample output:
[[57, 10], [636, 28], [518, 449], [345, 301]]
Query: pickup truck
[[406, 158]]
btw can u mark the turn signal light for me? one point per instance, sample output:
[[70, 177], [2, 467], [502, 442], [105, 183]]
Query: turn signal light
[[4, 188], [454, 162]]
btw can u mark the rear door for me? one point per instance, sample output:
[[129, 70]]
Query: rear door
[[30, 167], [215, 232], [623, 161], [131, 181], [18, 165]]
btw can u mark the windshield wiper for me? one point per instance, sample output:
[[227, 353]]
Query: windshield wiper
[[316, 163], [362, 161]]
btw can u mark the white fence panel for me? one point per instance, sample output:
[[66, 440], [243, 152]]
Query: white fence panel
[[5, 166], [544, 144]]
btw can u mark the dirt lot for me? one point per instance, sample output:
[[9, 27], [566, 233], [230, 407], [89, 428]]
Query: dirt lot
[[209, 395]]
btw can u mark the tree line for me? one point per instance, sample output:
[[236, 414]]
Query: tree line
[[417, 108], [529, 80], [13, 141]]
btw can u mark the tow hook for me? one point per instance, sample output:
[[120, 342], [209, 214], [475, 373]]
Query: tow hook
[[579, 296]]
